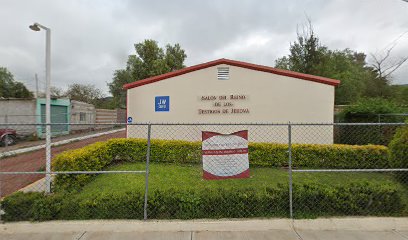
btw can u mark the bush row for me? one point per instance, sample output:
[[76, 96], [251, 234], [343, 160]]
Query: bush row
[[310, 200], [398, 153], [102, 154]]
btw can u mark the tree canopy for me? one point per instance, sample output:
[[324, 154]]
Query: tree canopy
[[9, 88], [358, 79], [150, 60], [84, 92]]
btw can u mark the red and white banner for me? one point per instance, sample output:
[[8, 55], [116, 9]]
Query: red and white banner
[[225, 155]]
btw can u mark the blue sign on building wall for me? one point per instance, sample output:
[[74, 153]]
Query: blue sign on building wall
[[162, 103]]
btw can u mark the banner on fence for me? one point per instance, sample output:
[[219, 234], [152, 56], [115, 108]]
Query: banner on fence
[[225, 155]]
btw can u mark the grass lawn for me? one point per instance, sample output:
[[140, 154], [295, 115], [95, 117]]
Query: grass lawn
[[179, 192], [189, 177]]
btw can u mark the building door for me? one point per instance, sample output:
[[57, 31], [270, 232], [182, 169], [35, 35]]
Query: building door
[[59, 114]]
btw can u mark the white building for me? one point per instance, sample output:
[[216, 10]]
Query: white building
[[228, 91]]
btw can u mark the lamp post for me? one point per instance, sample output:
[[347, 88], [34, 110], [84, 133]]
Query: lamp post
[[37, 27]]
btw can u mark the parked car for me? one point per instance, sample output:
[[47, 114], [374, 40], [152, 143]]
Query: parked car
[[8, 137]]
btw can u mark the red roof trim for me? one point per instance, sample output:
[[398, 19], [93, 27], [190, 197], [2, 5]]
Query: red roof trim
[[256, 67]]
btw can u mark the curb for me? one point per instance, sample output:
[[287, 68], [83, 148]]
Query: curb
[[38, 147], [322, 224]]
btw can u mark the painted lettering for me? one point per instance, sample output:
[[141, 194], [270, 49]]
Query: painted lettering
[[208, 98], [239, 110], [228, 104], [237, 97]]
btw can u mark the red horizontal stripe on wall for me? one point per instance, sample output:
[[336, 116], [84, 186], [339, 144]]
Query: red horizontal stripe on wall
[[209, 176]]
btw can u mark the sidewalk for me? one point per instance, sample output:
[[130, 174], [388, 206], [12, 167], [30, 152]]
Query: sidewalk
[[333, 228]]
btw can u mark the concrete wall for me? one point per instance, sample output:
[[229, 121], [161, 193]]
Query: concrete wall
[[266, 98], [88, 113], [121, 115], [105, 116], [18, 111]]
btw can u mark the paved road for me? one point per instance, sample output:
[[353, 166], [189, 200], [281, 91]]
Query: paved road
[[34, 161], [25, 144], [274, 229]]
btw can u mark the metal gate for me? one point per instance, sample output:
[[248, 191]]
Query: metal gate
[[59, 114]]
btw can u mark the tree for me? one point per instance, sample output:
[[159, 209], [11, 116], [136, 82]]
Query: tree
[[349, 67], [56, 92], [399, 93], [384, 64], [84, 93], [9, 88], [120, 78], [150, 60], [358, 79], [306, 54]]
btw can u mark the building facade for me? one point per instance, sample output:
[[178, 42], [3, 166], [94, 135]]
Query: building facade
[[82, 113], [227, 91]]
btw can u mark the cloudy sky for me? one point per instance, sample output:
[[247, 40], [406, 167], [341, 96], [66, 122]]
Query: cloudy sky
[[90, 39]]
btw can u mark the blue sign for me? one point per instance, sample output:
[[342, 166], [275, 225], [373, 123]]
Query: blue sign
[[130, 120], [162, 104]]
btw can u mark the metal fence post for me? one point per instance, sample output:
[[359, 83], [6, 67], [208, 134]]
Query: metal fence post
[[48, 158], [6, 137], [290, 169], [149, 129]]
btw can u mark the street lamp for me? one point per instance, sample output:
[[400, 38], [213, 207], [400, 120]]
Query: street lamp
[[37, 27]]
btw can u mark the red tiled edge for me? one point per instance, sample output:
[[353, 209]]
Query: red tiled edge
[[256, 67]]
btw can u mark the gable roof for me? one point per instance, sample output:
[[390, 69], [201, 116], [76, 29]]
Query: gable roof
[[256, 67]]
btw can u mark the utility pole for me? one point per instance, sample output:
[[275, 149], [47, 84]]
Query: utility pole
[[37, 27]]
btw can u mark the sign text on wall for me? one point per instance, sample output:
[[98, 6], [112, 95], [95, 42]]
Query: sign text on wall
[[224, 104]]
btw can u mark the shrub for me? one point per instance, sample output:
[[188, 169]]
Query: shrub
[[100, 155], [310, 200], [18, 206], [398, 153], [359, 199], [366, 111]]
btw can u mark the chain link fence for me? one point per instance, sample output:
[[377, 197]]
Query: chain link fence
[[195, 171]]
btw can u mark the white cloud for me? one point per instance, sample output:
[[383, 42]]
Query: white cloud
[[90, 39]]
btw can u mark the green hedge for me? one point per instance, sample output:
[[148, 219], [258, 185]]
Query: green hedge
[[310, 200], [100, 155], [398, 153]]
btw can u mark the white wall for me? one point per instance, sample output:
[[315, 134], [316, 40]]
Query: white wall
[[269, 97], [19, 111], [77, 108]]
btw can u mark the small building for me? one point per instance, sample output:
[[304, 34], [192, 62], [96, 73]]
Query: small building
[[228, 91], [60, 113], [82, 113], [32, 111], [83, 116]]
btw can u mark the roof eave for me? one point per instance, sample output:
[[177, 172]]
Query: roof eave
[[287, 73]]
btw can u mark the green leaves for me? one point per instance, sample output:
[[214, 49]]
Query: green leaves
[[310, 200], [84, 92], [399, 152], [373, 106], [150, 60], [308, 55], [9, 88]]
